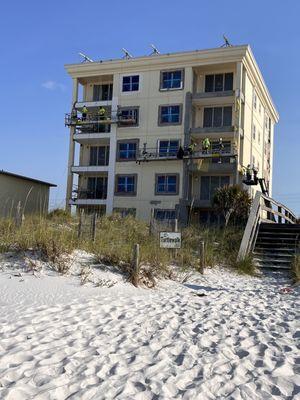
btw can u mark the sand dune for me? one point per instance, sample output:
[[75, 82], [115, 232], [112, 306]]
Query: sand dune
[[61, 340]]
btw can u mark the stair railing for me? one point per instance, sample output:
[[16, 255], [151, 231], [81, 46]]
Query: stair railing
[[267, 210]]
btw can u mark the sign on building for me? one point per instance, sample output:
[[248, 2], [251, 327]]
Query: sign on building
[[170, 240]]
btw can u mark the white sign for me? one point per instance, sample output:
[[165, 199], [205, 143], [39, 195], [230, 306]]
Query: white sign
[[170, 240]]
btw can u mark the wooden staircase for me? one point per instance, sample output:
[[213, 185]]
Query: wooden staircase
[[272, 234], [276, 244]]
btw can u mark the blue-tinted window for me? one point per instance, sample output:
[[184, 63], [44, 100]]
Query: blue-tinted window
[[166, 184], [127, 151], [125, 184], [171, 80], [130, 83], [170, 114], [168, 148], [162, 215]]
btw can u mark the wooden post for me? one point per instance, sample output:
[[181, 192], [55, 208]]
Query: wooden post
[[151, 222], [94, 227], [202, 256], [176, 230], [135, 264], [80, 224]]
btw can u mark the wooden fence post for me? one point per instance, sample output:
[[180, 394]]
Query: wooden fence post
[[80, 224], [151, 226], [94, 226], [136, 264], [202, 256], [176, 230]]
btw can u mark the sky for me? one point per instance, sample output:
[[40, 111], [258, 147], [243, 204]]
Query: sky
[[39, 37]]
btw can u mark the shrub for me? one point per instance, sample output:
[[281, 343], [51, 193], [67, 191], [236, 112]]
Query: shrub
[[232, 202], [245, 266], [296, 268]]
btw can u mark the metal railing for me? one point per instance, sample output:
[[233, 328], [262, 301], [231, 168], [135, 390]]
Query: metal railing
[[264, 210], [100, 194], [96, 118], [148, 154]]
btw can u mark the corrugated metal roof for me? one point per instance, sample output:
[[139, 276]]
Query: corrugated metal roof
[[26, 178]]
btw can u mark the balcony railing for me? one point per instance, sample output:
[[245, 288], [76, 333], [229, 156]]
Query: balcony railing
[[154, 154], [91, 119], [99, 194]]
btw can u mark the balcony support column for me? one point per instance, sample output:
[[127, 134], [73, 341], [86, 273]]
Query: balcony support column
[[71, 150], [183, 215], [238, 113]]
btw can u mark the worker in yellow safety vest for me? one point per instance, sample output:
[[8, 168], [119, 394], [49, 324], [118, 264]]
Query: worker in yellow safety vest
[[205, 145], [102, 112], [191, 148], [84, 112]]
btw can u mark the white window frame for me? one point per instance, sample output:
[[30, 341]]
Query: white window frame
[[130, 92], [166, 140]]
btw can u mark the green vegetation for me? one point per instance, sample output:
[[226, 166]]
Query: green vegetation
[[57, 236], [233, 203]]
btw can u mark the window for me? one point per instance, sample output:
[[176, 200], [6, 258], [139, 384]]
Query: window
[[102, 92], [209, 184], [254, 132], [130, 83], [254, 100], [163, 215], [125, 212], [171, 80], [126, 150], [99, 155], [258, 137], [170, 115], [126, 185], [219, 82], [168, 148], [166, 184], [214, 117], [96, 188], [128, 116]]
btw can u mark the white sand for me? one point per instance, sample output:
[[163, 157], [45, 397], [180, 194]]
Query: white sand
[[60, 340]]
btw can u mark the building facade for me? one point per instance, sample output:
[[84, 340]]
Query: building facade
[[131, 116], [23, 195]]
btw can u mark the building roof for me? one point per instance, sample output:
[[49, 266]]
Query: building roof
[[26, 178], [191, 58]]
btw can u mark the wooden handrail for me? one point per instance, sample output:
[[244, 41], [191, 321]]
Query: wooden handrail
[[261, 204]]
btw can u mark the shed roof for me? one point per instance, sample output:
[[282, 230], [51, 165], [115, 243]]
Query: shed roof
[[26, 178]]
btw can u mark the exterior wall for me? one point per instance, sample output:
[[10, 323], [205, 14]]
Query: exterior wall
[[33, 197], [246, 81]]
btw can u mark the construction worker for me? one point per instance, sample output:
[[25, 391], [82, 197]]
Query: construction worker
[[191, 148], [221, 148], [248, 173], [102, 112], [205, 145], [84, 113]]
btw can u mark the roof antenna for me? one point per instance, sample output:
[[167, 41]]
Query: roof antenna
[[155, 52], [127, 54], [226, 42], [85, 58]]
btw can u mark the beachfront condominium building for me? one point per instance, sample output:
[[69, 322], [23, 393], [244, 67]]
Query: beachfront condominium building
[[137, 127]]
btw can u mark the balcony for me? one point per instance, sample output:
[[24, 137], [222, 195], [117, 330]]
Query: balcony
[[90, 122], [210, 167], [154, 154], [88, 197], [213, 98], [90, 169]]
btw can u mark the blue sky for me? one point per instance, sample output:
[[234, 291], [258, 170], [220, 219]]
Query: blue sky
[[39, 37]]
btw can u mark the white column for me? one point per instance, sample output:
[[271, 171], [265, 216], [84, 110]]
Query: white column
[[238, 112], [71, 149], [112, 159]]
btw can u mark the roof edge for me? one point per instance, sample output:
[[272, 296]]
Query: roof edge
[[2, 172]]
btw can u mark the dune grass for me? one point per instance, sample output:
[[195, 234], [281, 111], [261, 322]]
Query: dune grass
[[57, 235]]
